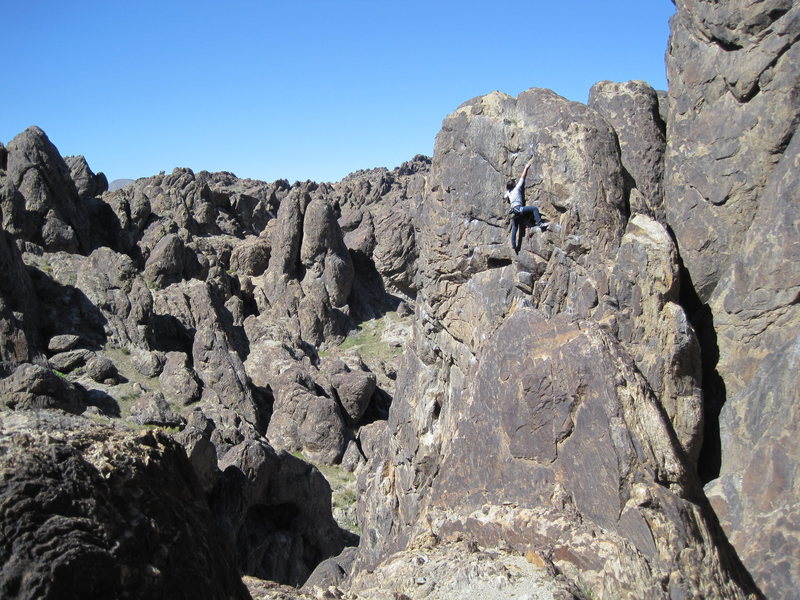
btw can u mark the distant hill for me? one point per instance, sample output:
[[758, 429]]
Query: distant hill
[[118, 184]]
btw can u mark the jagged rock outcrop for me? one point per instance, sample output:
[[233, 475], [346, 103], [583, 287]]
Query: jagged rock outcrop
[[731, 176], [310, 272], [88, 184], [92, 512], [632, 108], [508, 423], [199, 326], [379, 209], [40, 202], [547, 426]]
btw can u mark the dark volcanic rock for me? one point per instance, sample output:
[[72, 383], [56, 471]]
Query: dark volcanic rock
[[251, 257], [33, 386], [733, 72], [178, 380], [590, 451], [520, 428], [354, 390], [632, 110], [87, 184], [379, 209], [90, 512], [732, 180], [114, 285], [70, 360], [304, 420], [153, 409], [101, 369], [310, 271], [63, 343], [19, 307], [47, 210], [654, 328], [170, 262], [279, 509]]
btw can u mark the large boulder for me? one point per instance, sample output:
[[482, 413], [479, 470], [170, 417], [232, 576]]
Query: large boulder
[[171, 261], [92, 512], [178, 379], [33, 386], [306, 420], [46, 209]]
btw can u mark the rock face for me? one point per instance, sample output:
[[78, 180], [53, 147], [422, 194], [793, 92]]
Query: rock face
[[731, 171], [609, 413], [530, 413], [279, 509], [89, 511], [632, 108], [733, 71], [19, 310]]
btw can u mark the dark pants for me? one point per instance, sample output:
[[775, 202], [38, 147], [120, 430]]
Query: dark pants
[[520, 219]]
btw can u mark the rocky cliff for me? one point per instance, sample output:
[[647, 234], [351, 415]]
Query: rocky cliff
[[607, 414]]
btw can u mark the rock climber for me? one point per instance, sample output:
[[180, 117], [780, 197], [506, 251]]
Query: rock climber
[[521, 214]]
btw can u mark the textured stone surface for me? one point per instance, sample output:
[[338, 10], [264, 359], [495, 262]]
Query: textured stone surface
[[89, 512], [170, 262], [46, 208], [88, 184], [584, 468], [278, 509], [114, 286], [153, 409], [379, 209], [731, 173], [655, 330], [632, 108], [251, 256], [178, 379], [19, 307], [733, 73], [33, 386], [303, 420], [584, 464]]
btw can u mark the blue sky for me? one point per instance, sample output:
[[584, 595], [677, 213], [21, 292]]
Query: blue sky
[[301, 89]]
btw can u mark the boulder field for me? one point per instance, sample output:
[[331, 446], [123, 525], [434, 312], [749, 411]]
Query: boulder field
[[610, 413]]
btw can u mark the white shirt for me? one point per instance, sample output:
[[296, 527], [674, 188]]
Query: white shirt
[[517, 196]]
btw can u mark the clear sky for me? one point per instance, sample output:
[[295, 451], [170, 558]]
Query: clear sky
[[297, 89]]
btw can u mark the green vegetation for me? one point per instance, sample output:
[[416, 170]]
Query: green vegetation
[[369, 341]]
